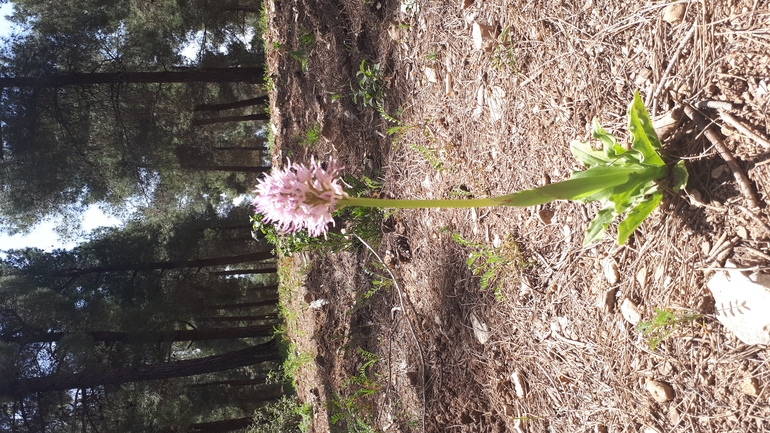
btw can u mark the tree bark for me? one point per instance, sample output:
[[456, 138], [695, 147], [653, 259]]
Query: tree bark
[[191, 367], [221, 75], [238, 318], [238, 168], [225, 425], [264, 303], [201, 263], [150, 337], [231, 105], [247, 271], [232, 382], [223, 119]]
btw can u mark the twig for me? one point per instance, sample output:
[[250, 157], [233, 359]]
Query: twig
[[717, 105], [756, 218], [671, 64], [737, 124], [756, 252], [740, 177], [408, 321]]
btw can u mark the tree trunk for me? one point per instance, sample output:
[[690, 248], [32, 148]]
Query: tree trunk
[[201, 263], [258, 116], [264, 303], [225, 425], [221, 75], [238, 168], [236, 148], [238, 318], [150, 337], [232, 105], [247, 271], [232, 382], [191, 367]]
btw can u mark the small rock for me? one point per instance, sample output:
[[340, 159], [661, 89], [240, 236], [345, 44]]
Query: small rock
[[696, 198], [705, 248], [660, 391], [750, 386], [741, 305], [674, 13], [718, 171], [496, 241], [630, 311], [318, 303], [610, 270], [480, 329], [430, 74], [518, 384], [641, 277], [673, 415], [545, 216]]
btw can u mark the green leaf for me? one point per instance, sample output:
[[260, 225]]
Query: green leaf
[[598, 225], [582, 184], [598, 132], [637, 215], [644, 138], [680, 175], [586, 154]]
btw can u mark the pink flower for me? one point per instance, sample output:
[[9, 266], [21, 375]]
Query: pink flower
[[300, 197]]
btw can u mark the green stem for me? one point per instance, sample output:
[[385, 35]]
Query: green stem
[[413, 204]]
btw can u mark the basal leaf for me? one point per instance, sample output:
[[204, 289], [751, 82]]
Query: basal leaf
[[582, 184], [598, 132], [644, 138], [679, 172], [638, 185], [598, 225], [587, 155], [635, 217]]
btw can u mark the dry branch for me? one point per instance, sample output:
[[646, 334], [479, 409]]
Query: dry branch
[[740, 177]]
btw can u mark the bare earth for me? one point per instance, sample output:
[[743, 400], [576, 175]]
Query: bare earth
[[499, 120]]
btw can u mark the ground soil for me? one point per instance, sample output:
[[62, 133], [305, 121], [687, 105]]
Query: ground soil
[[490, 121]]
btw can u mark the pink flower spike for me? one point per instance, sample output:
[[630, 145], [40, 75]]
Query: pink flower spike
[[300, 197]]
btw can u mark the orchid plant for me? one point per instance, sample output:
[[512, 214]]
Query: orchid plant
[[622, 180]]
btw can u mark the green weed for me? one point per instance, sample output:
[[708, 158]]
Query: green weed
[[285, 415], [429, 155], [371, 86], [665, 322], [355, 410], [491, 264], [312, 136], [503, 55]]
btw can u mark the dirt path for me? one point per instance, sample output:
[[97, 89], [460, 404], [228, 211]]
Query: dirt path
[[555, 354]]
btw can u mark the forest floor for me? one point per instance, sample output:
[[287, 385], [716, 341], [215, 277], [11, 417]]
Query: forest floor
[[544, 347]]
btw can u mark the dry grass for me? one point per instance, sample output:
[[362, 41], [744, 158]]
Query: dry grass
[[584, 368]]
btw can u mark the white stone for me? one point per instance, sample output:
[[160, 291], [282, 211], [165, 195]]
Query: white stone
[[741, 304], [480, 329], [630, 311]]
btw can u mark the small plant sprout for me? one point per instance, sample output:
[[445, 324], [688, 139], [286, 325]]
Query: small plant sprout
[[371, 85], [665, 322], [622, 180]]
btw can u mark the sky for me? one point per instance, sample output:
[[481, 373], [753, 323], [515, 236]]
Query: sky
[[43, 235]]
